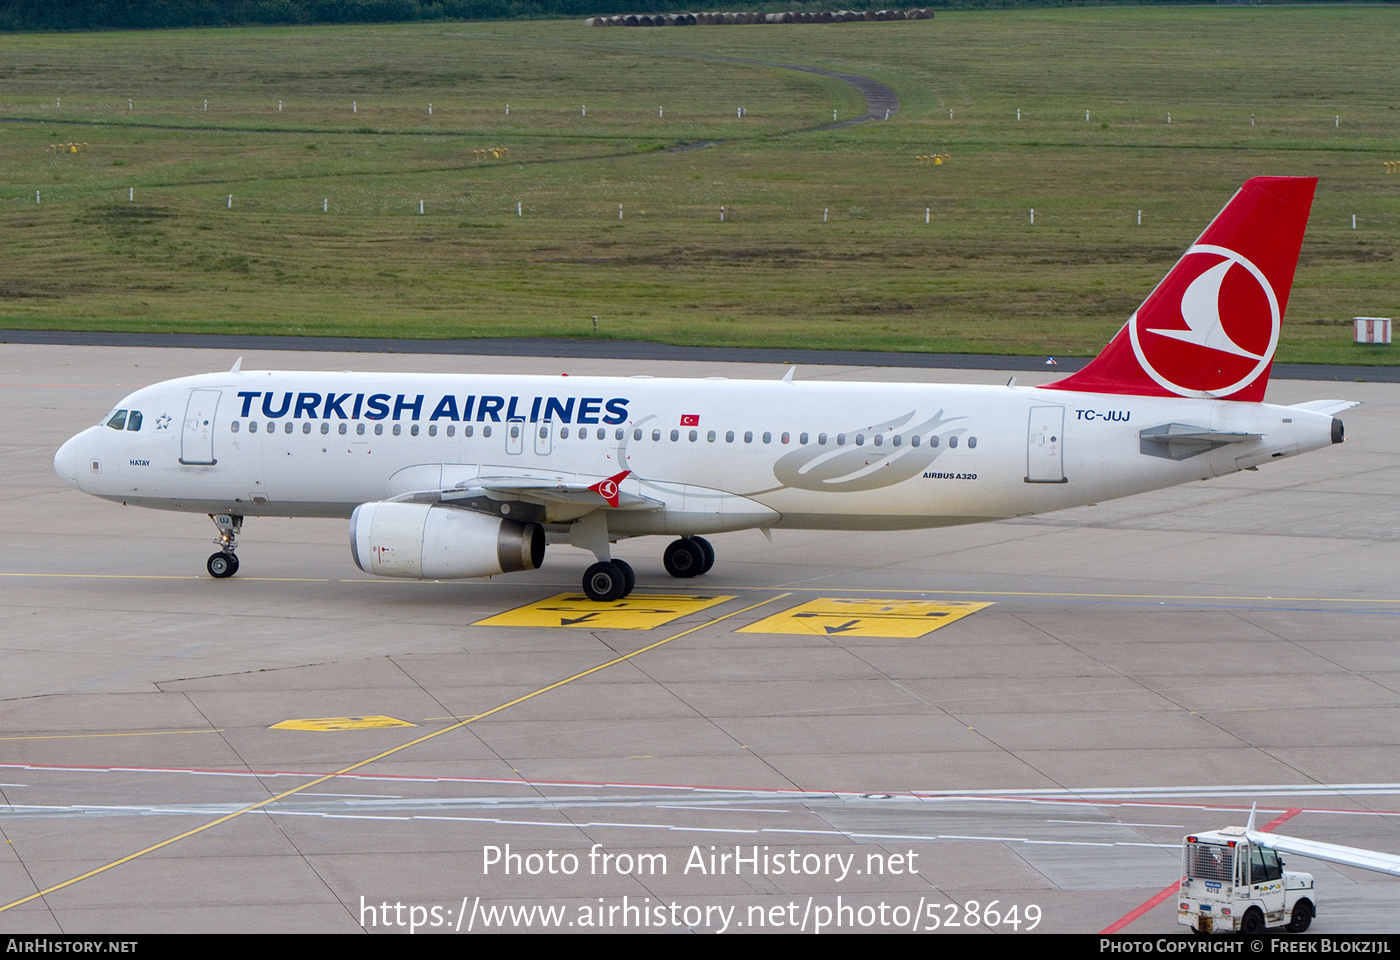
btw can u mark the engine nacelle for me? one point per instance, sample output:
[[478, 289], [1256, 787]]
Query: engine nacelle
[[424, 541]]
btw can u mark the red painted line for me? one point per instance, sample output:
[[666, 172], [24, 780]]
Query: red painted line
[[1132, 915], [1281, 819]]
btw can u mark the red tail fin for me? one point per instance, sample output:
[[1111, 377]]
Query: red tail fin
[[1210, 328]]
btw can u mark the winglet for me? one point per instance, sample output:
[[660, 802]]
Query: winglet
[[1249, 826], [237, 364], [609, 489], [787, 377]]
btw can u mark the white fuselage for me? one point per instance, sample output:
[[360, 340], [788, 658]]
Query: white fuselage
[[704, 455]]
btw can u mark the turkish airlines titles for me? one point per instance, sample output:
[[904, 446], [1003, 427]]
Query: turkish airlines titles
[[384, 406]]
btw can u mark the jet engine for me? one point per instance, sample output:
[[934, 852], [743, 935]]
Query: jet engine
[[424, 541]]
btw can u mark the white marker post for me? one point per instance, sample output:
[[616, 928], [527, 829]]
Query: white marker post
[[58, 101], [833, 116], [36, 200], [1018, 114], [1086, 116], [950, 114], [583, 110], [1353, 219], [825, 211], [279, 106], [230, 201], [206, 106], [1169, 116], [721, 214], [926, 215], [130, 193], [1139, 218], [1337, 121], [420, 207], [326, 205], [354, 106], [129, 106], [507, 109], [619, 211], [887, 114], [430, 109], [660, 113], [519, 209], [1251, 119], [1032, 216]]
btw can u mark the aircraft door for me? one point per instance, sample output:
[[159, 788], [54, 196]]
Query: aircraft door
[[1045, 444], [544, 439], [515, 437], [197, 434]]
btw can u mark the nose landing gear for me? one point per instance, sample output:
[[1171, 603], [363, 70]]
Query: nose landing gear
[[225, 563]]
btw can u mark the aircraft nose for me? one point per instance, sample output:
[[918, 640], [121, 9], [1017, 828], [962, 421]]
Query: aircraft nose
[[67, 460]]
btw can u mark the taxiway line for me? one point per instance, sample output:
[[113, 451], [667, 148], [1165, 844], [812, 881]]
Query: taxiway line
[[379, 756]]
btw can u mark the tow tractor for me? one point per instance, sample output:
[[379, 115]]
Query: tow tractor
[[1233, 879]]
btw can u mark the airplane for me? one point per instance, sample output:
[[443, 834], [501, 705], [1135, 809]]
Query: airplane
[[461, 476]]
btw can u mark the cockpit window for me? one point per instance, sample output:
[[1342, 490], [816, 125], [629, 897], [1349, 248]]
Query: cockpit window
[[118, 420], [133, 420]]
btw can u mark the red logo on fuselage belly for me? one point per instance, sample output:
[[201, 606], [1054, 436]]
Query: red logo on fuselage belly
[[1212, 326]]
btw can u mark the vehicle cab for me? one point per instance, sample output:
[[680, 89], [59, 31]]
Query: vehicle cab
[[1230, 885]]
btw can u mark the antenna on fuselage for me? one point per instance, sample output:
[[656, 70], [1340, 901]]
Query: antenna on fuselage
[[236, 364]]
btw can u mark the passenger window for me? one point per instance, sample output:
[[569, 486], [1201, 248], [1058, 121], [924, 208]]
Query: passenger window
[[879, 440], [694, 435], [118, 421], [972, 443], [413, 430], [342, 429], [233, 427], [398, 429], [767, 437], [785, 438], [860, 439], [325, 427], [379, 429], [514, 431], [952, 441], [840, 439], [306, 428], [620, 433], [729, 437], [897, 440], [748, 436], [914, 440], [563, 433], [933, 440], [656, 435], [637, 434], [821, 439], [451, 429], [432, 429], [675, 435], [485, 430], [360, 429], [468, 430], [271, 427], [287, 427], [133, 420], [802, 439]]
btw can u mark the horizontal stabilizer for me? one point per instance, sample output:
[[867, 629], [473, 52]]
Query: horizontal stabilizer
[[1328, 408], [1180, 441]]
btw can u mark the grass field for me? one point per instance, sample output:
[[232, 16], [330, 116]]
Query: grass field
[[978, 277]]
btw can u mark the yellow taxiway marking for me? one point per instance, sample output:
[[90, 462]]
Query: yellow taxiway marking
[[323, 724], [640, 611], [380, 756], [87, 736], [830, 616]]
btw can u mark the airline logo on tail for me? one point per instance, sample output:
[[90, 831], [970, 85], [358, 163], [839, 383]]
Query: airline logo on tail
[[1210, 328], [1226, 315]]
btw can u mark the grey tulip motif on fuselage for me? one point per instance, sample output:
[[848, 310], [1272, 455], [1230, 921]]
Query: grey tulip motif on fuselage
[[853, 467]]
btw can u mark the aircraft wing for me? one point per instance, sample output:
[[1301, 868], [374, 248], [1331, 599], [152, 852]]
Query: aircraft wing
[[607, 492], [1331, 852]]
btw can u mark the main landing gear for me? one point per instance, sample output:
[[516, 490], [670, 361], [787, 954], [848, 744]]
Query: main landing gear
[[225, 563], [690, 557], [609, 580]]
